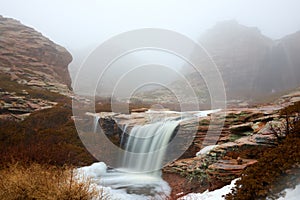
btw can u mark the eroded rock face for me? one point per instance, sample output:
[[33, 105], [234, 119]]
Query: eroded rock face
[[32, 59], [15, 106], [33, 71], [224, 171], [246, 133]]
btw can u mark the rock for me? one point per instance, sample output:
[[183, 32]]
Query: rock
[[19, 106], [241, 128], [295, 99], [36, 83], [270, 139], [206, 150], [27, 54], [272, 128], [224, 171], [140, 110], [270, 133], [265, 118], [258, 126]]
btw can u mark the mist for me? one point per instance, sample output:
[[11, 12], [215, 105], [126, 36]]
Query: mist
[[81, 26]]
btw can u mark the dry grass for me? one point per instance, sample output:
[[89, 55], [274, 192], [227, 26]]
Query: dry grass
[[46, 183]]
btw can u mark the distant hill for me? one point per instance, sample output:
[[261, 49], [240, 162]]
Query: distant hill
[[252, 66], [251, 62]]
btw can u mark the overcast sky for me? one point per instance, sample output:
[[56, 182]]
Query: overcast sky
[[76, 24]]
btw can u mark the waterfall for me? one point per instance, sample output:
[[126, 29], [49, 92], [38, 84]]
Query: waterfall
[[141, 175], [138, 173], [150, 140], [96, 123]]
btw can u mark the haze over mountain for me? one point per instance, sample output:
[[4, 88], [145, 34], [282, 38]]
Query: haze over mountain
[[81, 26], [251, 64]]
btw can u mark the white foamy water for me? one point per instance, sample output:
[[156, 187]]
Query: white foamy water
[[119, 185], [139, 175], [95, 124], [150, 140]]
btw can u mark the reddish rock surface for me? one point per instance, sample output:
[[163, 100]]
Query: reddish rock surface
[[223, 172], [29, 56], [182, 186]]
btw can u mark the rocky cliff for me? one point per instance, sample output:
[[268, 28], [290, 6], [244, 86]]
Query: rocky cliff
[[33, 70], [252, 64], [30, 58]]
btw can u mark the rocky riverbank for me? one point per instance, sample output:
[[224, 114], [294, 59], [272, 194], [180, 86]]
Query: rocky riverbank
[[246, 132]]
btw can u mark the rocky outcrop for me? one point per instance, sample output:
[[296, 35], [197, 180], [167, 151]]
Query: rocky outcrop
[[224, 171], [216, 167], [31, 59], [14, 106], [245, 134], [33, 71]]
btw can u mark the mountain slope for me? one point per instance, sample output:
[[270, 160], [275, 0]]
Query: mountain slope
[[30, 58], [33, 71], [252, 63]]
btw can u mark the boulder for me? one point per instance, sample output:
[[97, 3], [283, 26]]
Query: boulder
[[241, 129]]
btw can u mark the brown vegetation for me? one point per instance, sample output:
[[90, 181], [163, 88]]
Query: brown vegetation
[[264, 179], [11, 86], [42, 182], [47, 136]]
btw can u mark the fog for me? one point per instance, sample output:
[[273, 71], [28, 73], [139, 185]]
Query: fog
[[78, 23], [81, 26]]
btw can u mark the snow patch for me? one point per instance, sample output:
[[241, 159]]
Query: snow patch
[[292, 194], [215, 195], [102, 178], [206, 150], [205, 113]]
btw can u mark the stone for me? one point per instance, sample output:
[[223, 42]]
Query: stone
[[258, 126], [272, 127], [241, 128], [269, 139], [224, 171], [139, 110], [295, 99], [36, 83]]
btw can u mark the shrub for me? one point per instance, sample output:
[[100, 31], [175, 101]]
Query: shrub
[[291, 114], [42, 182], [47, 136], [261, 179]]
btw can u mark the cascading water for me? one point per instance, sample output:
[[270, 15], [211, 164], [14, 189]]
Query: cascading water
[[141, 174], [150, 140], [138, 175], [95, 124]]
